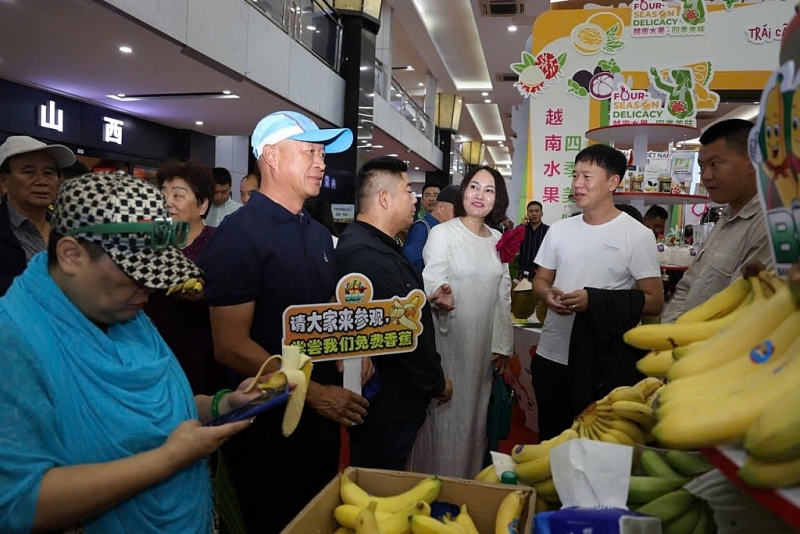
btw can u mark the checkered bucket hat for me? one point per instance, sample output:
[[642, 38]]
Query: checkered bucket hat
[[103, 198]]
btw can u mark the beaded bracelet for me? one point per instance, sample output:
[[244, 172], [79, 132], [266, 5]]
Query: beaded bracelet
[[215, 401]]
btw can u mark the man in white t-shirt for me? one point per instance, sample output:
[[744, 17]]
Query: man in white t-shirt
[[603, 249]]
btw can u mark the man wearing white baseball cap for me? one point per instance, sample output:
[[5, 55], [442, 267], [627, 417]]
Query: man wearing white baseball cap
[[29, 181], [270, 254]]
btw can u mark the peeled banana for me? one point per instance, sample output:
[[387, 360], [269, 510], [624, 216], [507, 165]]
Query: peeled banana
[[295, 368]]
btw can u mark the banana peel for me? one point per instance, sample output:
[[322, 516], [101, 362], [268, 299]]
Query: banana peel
[[296, 369]]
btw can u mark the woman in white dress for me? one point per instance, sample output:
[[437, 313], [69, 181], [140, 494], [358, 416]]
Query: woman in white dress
[[476, 334]]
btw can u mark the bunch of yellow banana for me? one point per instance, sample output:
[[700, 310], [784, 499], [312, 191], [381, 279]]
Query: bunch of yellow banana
[[719, 390], [192, 284], [391, 514], [295, 368], [624, 416], [773, 444], [730, 310]]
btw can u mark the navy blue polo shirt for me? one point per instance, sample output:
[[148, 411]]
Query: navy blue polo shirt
[[265, 254]]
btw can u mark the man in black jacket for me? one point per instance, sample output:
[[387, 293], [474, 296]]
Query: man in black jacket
[[29, 180], [385, 205]]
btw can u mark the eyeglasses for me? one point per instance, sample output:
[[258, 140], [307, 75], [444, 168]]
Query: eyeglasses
[[163, 232], [431, 195]]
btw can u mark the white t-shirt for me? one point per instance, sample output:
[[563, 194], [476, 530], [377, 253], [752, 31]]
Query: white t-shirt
[[607, 256]]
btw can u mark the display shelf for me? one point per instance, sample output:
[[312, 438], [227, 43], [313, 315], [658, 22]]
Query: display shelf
[[785, 503], [626, 134], [661, 198]]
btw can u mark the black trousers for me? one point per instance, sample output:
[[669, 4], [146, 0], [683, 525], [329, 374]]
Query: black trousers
[[384, 446], [551, 385], [275, 477]]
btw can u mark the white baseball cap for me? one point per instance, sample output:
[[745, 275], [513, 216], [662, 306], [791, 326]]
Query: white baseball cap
[[22, 144]]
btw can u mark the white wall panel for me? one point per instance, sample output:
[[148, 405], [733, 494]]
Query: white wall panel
[[218, 29], [267, 53], [390, 121], [166, 16]]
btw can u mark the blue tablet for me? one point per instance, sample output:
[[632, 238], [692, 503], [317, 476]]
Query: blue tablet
[[269, 399]]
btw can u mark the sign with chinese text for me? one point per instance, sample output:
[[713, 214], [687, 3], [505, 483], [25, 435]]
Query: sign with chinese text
[[355, 325], [656, 18]]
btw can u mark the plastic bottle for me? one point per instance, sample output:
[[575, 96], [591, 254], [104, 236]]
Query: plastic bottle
[[509, 477]]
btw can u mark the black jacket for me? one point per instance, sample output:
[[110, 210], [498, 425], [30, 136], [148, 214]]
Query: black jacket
[[408, 381], [599, 360], [12, 255]]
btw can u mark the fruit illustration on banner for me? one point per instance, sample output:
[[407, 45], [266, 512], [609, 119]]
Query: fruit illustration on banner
[[679, 90], [598, 83], [693, 12], [601, 32], [536, 73], [702, 74]]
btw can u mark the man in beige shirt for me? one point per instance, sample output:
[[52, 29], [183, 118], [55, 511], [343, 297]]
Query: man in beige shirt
[[740, 234]]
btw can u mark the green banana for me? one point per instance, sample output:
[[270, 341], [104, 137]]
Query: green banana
[[687, 521], [668, 507], [643, 489], [655, 466], [706, 524], [686, 463]]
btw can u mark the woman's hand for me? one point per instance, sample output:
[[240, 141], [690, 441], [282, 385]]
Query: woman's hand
[[500, 363], [192, 441], [443, 298]]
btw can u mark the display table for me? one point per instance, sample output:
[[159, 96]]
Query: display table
[[526, 339]]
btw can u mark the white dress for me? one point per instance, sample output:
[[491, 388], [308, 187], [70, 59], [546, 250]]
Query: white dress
[[452, 442]]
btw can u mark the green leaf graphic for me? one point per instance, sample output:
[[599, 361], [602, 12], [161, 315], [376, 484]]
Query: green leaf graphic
[[518, 67], [528, 59], [612, 30], [613, 46], [562, 58]]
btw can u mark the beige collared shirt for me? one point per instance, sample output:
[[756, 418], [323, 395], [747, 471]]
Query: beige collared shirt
[[734, 241]]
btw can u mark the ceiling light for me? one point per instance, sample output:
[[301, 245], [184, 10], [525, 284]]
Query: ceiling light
[[312, 28], [416, 168], [488, 100], [484, 93], [392, 155], [377, 146], [170, 96], [226, 92], [512, 28], [421, 84], [199, 123], [126, 49], [121, 95], [363, 67], [409, 67]]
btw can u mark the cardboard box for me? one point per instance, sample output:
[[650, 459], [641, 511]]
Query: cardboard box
[[482, 499]]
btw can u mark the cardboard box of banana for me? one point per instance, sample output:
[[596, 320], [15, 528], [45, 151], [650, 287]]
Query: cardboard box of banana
[[374, 501], [735, 375]]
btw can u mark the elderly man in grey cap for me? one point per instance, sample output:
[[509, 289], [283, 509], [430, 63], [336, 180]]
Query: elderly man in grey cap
[[29, 182]]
